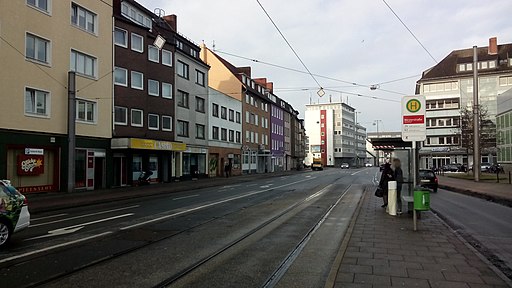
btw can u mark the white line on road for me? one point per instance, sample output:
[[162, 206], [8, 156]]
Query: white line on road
[[207, 205], [47, 217], [86, 215], [54, 247], [357, 172], [185, 197], [63, 230]]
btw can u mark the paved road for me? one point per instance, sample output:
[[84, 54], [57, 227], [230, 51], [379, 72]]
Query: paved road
[[276, 231], [488, 223]]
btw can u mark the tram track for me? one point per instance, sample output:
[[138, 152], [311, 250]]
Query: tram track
[[54, 278]]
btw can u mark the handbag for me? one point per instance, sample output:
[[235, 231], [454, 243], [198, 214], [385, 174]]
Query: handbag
[[379, 192]]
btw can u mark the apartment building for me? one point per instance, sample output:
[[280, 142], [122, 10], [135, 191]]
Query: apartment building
[[44, 40], [144, 110], [225, 137], [333, 134], [236, 82], [448, 88]]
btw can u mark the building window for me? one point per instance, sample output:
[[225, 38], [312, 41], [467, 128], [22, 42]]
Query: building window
[[153, 122], [238, 136], [166, 57], [85, 111], [182, 128], [199, 131], [153, 87], [37, 48], [182, 70], [247, 118], [200, 104], [182, 99], [238, 117], [215, 132], [83, 18], [231, 136], [120, 37], [120, 115], [136, 118], [247, 136], [166, 90], [42, 5], [231, 115], [194, 53], [179, 44], [223, 112], [224, 134], [137, 43], [120, 76], [199, 78], [153, 54], [256, 121], [215, 110], [166, 123], [137, 80], [37, 102], [135, 15], [83, 64]]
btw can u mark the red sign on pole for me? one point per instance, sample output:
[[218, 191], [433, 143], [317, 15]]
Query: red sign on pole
[[419, 119]]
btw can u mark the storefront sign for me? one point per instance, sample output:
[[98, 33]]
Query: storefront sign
[[33, 189], [30, 165], [34, 151], [136, 143]]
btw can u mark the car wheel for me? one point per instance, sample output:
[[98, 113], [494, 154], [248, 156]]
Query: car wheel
[[5, 233]]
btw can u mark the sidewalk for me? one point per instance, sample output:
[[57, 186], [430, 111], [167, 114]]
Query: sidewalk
[[384, 251], [39, 202], [497, 192]]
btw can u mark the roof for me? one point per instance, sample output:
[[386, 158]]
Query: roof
[[447, 68]]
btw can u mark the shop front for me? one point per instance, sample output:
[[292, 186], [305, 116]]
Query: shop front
[[195, 160], [134, 156], [219, 158]]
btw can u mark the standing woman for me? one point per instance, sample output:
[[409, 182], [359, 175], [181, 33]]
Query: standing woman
[[387, 175], [399, 178]]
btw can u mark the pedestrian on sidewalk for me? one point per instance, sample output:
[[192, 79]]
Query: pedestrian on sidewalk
[[386, 176], [226, 170], [399, 178]]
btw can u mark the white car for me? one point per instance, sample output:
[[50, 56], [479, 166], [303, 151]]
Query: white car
[[14, 214], [368, 165]]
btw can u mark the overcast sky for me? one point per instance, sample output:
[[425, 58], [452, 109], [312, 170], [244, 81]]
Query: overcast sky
[[356, 41]]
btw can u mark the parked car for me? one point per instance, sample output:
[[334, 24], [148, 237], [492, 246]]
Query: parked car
[[14, 214], [345, 166], [428, 179], [485, 167], [368, 165], [453, 167]]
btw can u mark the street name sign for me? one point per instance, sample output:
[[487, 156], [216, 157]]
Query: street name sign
[[413, 118]]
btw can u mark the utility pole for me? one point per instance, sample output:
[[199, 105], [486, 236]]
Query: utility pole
[[476, 119], [376, 122], [71, 130]]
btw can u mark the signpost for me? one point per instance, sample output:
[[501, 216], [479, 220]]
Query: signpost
[[413, 118]]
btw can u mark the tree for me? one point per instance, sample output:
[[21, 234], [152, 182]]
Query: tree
[[487, 130]]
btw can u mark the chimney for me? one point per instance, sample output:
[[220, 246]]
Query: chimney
[[493, 46], [172, 21], [270, 86]]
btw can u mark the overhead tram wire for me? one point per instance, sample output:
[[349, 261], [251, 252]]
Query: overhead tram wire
[[289, 45], [416, 38], [399, 79], [303, 72]]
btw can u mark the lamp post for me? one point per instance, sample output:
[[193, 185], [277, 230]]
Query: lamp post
[[355, 137], [376, 123]]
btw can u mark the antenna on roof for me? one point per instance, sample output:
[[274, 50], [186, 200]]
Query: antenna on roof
[[213, 45]]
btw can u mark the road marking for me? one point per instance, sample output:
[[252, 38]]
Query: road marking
[[72, 229], [54, 247], [319, 192], [185, 197], [207, 205], [266, 186], [86, 215], [47, 217], [357, 172]]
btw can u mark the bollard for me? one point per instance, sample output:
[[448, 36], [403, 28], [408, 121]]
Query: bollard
[[392, 198]]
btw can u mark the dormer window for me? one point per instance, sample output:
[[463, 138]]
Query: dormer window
[[135, 15]]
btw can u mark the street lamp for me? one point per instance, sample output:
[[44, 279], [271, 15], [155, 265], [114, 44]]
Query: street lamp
[[376, 123], [355, 137]]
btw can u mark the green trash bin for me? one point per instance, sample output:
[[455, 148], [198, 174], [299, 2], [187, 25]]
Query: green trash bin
[[421, 199]]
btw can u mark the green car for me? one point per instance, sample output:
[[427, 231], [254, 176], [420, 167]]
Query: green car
[[14, 215]]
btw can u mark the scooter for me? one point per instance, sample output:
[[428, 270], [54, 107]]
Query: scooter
[[144, 178]]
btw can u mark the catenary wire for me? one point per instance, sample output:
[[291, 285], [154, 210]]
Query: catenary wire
[[289, 45], [403, 23], [303, 72]]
